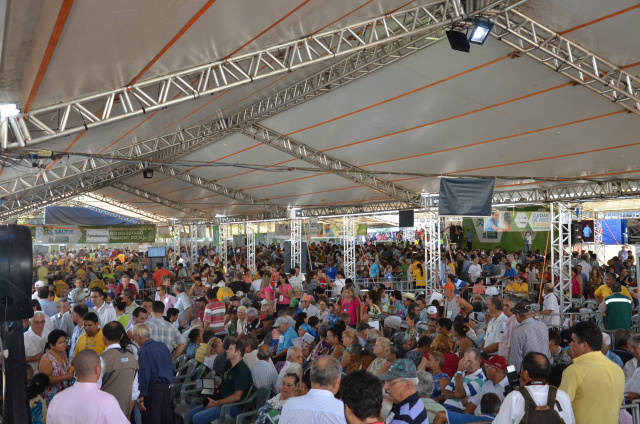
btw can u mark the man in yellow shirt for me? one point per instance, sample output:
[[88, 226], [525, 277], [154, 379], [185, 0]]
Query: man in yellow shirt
[[594, 383], [92, 337], [43, 271], [604, 290]]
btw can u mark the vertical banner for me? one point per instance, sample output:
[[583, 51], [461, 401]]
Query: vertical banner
[[362, 230], [313, 225]]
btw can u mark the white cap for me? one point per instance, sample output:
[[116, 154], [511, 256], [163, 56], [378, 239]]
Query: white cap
[[239, 294], [432, 310], [40, 283]]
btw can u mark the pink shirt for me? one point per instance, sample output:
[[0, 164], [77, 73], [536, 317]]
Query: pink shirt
[[351, 308], [504, 347], [85, 403], [169, 302], [283, 300], [266, 290]]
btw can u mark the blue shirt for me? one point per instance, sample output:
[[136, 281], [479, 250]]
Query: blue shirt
[[155, 364], [331, 272], [469, 236], [287, 338], [510, 272], [374, 270], [615, 358]]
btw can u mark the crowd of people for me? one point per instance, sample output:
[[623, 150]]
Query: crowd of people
[[489, 345]]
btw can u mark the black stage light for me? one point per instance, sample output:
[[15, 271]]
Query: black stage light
[[147, 173], [458, 41]]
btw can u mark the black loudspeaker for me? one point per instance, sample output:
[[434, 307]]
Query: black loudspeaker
[[16, 271], [405, 219], [287, 257], [458, 41]]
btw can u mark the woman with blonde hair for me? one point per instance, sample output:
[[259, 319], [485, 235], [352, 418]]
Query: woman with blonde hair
[[444, 345], [380, 349], [213, 349], [266, 292], [349, 339]]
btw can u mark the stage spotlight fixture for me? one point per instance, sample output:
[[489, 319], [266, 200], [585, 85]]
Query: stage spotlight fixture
[[480, 31], [147, 173], [458, 41]]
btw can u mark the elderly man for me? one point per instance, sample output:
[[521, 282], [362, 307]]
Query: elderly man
[[288, 334], [319, 405], [34, 340], [467, 382], [529, 336], [294, 356], [361, 393], [165, 332], [154, 378], [533, 378], [308, 305], [495, 327], [106, 312], [504, 345], [125, 283], [84, 402], [594, 384], [264, 374], [400, 383], [550, 307], [60, 322], [183, 303], [235, 386]]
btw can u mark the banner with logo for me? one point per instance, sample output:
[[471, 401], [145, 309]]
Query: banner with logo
[[94, 235], [514, 221]]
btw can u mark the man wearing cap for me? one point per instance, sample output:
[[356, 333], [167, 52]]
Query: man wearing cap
[[400, 383], [467, 382], [288, 334], [407, 298], [453, 303], [308, 305], [529, 336], [616, 308], [497, 381], [39, 284]]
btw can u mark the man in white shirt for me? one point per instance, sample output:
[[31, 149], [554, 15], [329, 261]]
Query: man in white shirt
[[34, 340], [263, 373], [39, 284], [183, 304], [319, 405], [550, 306], [495, 327], [337, 284], [308, 305], [106, 313], [475, 270], [533, 376], [296, 278]]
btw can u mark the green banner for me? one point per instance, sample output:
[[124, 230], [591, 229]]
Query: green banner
[[362, 230], [94, 235], [216, 236]]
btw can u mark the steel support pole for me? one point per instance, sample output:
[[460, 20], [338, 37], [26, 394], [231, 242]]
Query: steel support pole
[[250, 238], [194, 244], [561, 253], [176, 238], [432, 249], [223, 231], [349, 240], [296, 242]]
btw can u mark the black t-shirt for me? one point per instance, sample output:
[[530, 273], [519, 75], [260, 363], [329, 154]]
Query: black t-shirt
[[237, 286], [237, 378], [256, 324]]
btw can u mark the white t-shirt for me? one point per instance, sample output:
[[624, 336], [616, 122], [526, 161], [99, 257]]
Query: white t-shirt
[[255, 285], [512, 409], [475, 271], [550, 303], [339, 285]]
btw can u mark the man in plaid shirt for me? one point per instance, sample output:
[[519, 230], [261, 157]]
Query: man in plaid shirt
[[165, 332]]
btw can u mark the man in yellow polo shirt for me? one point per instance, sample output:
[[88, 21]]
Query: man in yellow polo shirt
[[594, 383], [92, 337], [604, 290]]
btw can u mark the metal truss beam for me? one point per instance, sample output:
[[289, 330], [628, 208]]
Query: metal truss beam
[[238, 195], [561, 252], [115, 105], [568, 58], [179, 143], [105, 212], [250, 238], [432, 250], [296, 242], [328, 163], [223, 250], [12, 207], [350, 244], [149, 215], [160, 200]]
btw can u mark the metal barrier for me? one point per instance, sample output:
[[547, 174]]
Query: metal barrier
[[634, 410]]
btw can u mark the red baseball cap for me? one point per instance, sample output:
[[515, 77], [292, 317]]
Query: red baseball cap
[[496, 361]]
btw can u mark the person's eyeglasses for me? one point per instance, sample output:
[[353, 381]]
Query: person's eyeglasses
[[391, 383]]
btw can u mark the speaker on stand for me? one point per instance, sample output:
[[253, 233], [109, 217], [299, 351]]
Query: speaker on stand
[[16, 272]]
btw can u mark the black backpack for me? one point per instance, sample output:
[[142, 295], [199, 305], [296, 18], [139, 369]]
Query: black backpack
[[545, 414]]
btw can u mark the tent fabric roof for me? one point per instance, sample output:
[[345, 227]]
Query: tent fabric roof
[[435, 112]]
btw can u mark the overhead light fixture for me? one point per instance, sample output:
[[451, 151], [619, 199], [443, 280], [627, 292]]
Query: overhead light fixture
[[458, 41], [147, 173], [480, 31]]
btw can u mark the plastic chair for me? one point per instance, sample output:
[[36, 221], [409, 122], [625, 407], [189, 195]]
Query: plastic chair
[[591, 304], [534, 307], [634, 323], [251, 404], [261, 396], [179, 362]]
